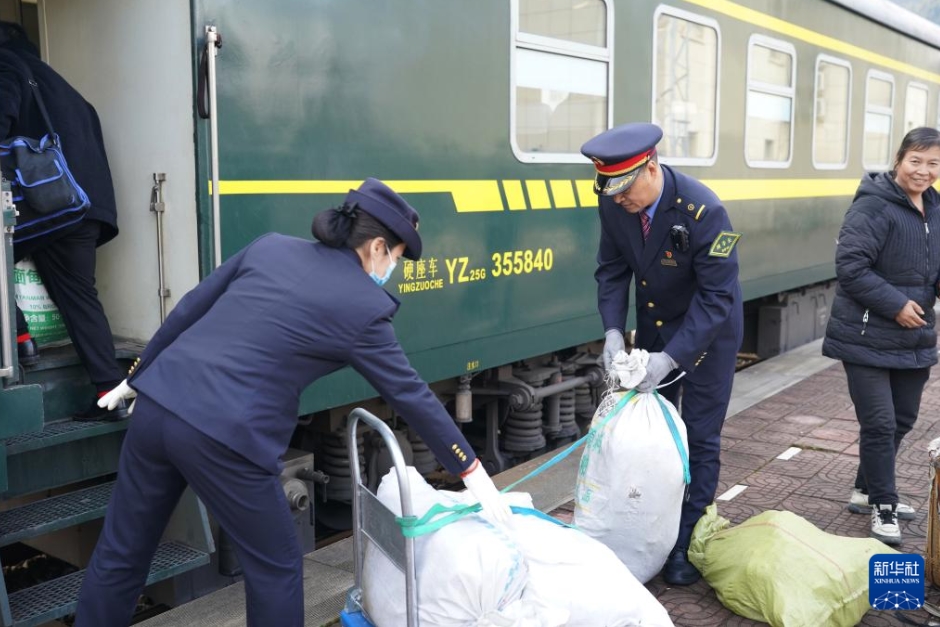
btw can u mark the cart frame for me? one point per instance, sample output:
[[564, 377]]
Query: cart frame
[[372, 520]]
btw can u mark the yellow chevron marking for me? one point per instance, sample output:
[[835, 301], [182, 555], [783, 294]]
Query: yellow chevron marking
[[563, 194], [586, 196], [732, 9], [514, 196], [469, 196], [538, 194], [483, 195]]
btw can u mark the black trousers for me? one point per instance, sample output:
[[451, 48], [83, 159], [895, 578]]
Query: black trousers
[[886, 404], [66, 264]]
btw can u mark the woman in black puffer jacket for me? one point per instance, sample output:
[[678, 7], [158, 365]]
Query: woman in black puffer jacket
[[882, 321]]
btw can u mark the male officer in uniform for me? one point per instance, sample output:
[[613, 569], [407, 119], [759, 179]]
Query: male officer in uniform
[[673, 234]]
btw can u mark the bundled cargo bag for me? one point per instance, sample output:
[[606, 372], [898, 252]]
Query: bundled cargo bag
[[571, 571], [779, 568], [469, 573], [632, 479]]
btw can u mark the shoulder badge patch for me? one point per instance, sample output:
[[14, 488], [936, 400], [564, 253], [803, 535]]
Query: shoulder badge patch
[[724, 244]]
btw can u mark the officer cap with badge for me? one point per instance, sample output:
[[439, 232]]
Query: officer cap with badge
[[382, 203], [619, 155]]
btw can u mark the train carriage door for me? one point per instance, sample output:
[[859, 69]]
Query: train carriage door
[[133, 62]]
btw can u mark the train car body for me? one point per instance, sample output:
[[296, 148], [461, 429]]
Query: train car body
[[475, 112]]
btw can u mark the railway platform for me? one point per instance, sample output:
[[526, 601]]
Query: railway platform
[[797, 401]]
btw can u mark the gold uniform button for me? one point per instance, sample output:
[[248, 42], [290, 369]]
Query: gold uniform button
[[659, 323], [650, 305], [643, 283]]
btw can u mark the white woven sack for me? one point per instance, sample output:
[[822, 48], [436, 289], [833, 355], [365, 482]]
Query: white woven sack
[[470, 573], [570, 571], [631, 482]]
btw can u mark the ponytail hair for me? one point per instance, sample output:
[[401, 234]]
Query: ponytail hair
[[350, 227]]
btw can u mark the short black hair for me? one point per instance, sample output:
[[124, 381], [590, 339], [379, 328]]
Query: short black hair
[[921, 138]]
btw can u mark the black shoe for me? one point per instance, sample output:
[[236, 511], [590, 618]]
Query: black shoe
[[678, 571], [102, 414], [27, 352]]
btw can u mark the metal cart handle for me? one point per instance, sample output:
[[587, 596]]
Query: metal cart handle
[[391, 546]]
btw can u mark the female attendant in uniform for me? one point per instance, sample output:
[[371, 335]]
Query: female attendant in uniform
[[218, 389], [882, 321]]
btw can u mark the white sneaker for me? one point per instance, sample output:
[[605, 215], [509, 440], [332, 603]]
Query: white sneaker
[[884, 524], [858, 504]]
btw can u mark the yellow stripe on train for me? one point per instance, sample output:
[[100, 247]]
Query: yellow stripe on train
[[478, 196]]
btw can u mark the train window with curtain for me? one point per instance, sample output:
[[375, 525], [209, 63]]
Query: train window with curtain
[[831, 113], [686, 50], [561, 75], [771, 86], [879, 116], [915, 106]]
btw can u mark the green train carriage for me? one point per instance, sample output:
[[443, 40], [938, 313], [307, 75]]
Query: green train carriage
[[475, 112]]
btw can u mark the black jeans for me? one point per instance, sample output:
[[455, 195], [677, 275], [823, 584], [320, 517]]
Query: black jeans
[[886, 404], [66, 263]]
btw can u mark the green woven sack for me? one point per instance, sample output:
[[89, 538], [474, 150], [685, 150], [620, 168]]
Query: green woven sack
[[781, 569]]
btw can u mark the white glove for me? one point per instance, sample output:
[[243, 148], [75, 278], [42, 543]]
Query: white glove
[[659, 365], [481, 487], [612, 346], [628, 370], [123, 392]]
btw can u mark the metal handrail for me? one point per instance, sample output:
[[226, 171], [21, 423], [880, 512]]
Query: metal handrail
[[213, 41], [7, 365], [404, 489]]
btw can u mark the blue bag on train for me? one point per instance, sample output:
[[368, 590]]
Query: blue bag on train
[[46, 194]]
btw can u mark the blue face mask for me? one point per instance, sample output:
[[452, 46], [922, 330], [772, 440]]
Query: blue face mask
[[382, 280]]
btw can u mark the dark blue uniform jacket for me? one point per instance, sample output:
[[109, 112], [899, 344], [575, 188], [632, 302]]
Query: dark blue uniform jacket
[[689, 302], [888, 253], [236, 352]]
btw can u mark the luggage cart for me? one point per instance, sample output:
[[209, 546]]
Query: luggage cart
[[377, 523]]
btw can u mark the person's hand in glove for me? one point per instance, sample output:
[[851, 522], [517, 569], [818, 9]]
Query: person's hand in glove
[[612, 345], [481, 487], [659, 365], [123, 392]]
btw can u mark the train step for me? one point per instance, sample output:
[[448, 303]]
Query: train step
[[57, 598], [59, 454], [60, 432], [54, 513]]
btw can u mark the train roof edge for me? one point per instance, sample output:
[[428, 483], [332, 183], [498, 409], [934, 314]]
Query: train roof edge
[[895, 17]]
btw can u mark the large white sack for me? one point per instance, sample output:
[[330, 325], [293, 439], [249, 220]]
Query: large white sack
[[571, 571], [470, 573], [631, 482]]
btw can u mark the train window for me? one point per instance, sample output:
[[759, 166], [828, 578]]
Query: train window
[[771, 80], [686, 50], [879, 115], [831, 113], [561, 77], [915, 106]]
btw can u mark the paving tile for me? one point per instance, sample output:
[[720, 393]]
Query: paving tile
[[839, 435], [773, 436], [742, 460], [821, 445], [765, 449]]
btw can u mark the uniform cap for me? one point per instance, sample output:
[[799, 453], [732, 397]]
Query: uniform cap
[[619, 155], [382, 203]]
